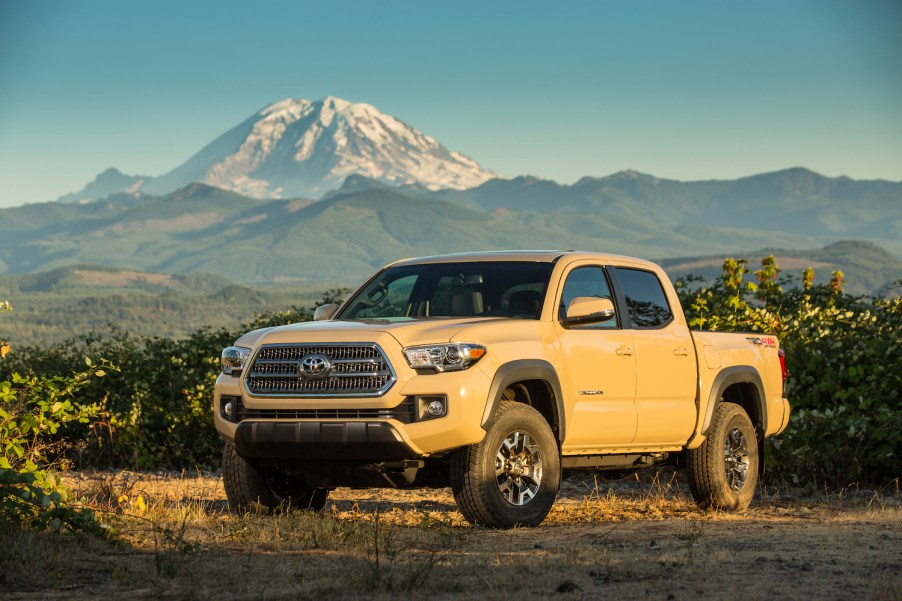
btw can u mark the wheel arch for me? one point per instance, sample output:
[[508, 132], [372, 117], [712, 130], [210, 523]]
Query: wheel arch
[[742, 385], [541, 389]]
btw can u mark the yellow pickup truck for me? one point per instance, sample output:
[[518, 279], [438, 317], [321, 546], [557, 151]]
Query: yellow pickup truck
[[490, 373]]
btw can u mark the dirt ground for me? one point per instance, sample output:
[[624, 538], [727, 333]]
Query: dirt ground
[[172, 537]]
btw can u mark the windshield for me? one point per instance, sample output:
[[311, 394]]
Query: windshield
[[489, 289]]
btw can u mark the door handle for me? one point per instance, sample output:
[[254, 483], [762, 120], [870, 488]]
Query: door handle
[[681, 352], [624, 351]]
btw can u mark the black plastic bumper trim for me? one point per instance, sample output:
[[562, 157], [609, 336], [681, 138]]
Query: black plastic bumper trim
[[376, 441]]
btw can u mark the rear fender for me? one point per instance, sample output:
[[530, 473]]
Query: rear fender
[[738, 374]]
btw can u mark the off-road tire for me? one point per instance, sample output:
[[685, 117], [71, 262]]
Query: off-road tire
[[251, 489], [478, 490], [714, 469]]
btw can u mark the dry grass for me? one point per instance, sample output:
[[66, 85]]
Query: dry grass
[[174, 539]]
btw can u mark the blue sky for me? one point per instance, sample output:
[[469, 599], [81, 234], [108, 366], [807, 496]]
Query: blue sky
[[683, 90]]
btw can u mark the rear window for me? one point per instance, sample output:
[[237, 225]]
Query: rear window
[[645, 298]]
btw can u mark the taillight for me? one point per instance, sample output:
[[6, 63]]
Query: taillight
[[782, 355]]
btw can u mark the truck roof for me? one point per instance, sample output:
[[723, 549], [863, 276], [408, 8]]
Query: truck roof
[[538, 256]]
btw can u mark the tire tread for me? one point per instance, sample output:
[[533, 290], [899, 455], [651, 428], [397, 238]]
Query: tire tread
[[244, 485], [704, 465], [247, 489], [471, 489]]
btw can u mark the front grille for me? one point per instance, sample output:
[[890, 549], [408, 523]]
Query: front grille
[[404, 413], [356, 370]]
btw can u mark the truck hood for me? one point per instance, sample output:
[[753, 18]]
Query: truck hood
[[407, 331]]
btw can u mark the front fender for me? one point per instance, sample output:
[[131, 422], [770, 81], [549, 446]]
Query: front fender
[[518, 371]]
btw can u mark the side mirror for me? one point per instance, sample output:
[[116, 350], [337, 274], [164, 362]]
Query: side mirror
[[589, 309], [324, 312]]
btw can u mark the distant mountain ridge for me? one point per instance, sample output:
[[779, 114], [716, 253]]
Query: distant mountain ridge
[[792, 200], [302, 148], [366, 223]]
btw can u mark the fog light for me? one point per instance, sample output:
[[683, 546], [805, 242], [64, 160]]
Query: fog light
[[431, 406], [227, 409], [436, 408]]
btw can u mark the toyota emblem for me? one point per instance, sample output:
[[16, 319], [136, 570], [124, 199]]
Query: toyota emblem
[[314, 367]]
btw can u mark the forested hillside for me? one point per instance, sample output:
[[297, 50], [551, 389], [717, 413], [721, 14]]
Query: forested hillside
[[352, 231]]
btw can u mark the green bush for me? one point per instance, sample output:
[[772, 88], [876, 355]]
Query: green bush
[[845, 369], [155, 413], [32, 412], [843, 352]]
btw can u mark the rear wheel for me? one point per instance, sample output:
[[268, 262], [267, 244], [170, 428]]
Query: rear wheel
[[723, 471], [512, 477], [249, 488]]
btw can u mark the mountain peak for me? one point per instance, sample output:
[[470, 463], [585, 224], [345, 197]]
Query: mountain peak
[[355, 183], [110, 181], [297, 147], [285, 104], [335, 103], [629, 174]]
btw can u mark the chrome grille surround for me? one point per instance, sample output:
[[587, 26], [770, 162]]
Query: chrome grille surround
[[358, 369]]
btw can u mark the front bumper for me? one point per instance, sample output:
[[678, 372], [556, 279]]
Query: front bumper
[[298, 429]]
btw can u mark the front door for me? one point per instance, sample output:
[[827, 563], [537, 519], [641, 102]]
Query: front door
[[600, 383]]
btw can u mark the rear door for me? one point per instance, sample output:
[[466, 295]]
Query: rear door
[[666, 366]]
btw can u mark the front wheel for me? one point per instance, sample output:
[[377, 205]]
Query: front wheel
[[512, 477], [723, 471], [249, 487]]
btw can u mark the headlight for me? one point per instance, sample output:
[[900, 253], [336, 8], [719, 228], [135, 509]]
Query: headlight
[[444, 357], [234, 358]]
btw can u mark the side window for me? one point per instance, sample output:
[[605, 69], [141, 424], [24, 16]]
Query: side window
[[586, 281], [645, 298]]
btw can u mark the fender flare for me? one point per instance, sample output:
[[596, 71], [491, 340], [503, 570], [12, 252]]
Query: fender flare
[[737, 374], [526, 369]]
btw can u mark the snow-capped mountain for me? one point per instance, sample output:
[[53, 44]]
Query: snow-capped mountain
[[303, 148]]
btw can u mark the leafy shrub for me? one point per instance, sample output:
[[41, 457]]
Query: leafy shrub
[[845, 382], [845, 369], [32, 411], [4, 346], [156, 412], [843, 353]]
